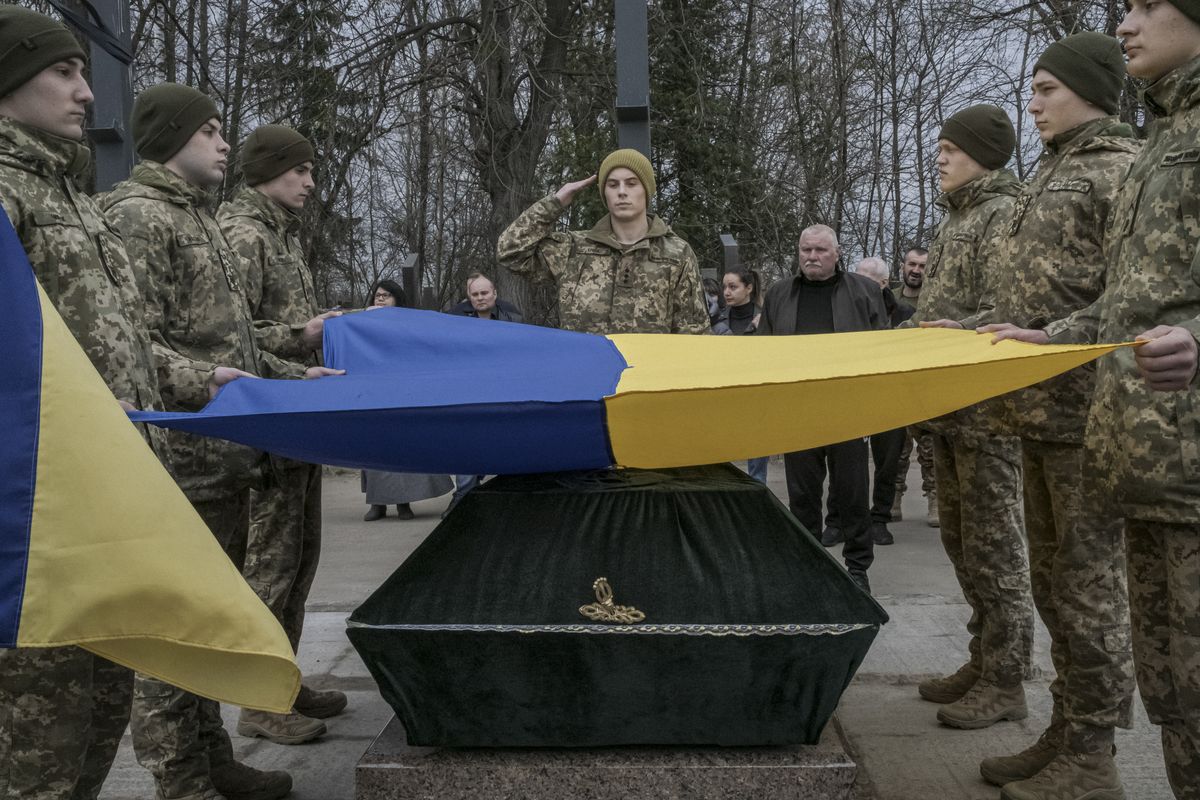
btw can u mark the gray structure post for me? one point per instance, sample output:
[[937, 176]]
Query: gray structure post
[[730, 246], [113, 87], [633, 75], [408, 280]]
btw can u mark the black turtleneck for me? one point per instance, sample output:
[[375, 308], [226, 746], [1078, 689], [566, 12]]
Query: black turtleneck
[[814, 309], [740, 317]]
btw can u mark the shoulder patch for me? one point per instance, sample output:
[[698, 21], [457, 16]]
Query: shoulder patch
[[1176, 157]]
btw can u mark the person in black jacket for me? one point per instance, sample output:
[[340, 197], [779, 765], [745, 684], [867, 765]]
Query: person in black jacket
[[740, 289], [824, 298], [483, 302]]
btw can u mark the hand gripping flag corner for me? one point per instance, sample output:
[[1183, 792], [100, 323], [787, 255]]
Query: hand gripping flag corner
[[98, 546]]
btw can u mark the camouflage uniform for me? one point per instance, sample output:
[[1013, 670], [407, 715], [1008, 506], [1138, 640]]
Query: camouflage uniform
[[198, 317], [1152, 439], [63, 710], [979, 471], [1055, 265], [604, 286], [285, 517]]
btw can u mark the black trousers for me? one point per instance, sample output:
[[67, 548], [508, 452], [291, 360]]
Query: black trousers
[[849, 495], [885, 452]]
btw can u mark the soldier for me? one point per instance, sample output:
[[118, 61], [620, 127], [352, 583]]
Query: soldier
[[197, 313], [261, 224], [978, 471], [1054, 266], [63, 710], [629, 274], [908, 293], [1144, 419]]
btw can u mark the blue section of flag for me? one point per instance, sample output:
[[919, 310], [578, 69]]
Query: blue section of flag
[[20, 408], [429, 392]]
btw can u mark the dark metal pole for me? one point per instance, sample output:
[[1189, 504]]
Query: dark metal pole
[[730, 246], [633, 75], [408, 277], [112, 85]]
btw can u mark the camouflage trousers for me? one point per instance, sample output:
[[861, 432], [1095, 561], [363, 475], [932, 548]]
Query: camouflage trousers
[[284, 545], [979, 502], [1164, 609], [924, 445], [177, 735], [63, 711], [1077, 567]]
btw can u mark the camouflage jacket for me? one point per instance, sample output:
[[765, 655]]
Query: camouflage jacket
[[278, 284], [1054, 264], [1152, 439], [961, 276], [80, 261], [196, 312], [652, 286]]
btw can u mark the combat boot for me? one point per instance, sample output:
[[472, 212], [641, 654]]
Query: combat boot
[[897, 506], [932, 516], [1003, 770], [320, 704], [238, 781], [951, 687], [1071, 776], [290, 728], [984, 705], [207, 794]]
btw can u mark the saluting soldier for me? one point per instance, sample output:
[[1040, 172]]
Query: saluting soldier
[[629, 274], [262, 224]]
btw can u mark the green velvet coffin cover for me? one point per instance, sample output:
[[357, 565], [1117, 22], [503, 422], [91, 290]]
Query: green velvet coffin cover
[[751, 631]]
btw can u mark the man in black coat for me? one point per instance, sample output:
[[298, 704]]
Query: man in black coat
[[824, 298]]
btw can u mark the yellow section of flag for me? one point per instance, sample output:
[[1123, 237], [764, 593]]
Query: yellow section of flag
[[120, 563], [750, 396]]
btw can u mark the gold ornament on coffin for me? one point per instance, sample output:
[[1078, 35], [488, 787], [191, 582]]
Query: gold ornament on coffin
[[605, 610]]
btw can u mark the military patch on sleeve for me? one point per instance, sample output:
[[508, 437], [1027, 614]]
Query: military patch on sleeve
[[1176, 157], [1070, 185]]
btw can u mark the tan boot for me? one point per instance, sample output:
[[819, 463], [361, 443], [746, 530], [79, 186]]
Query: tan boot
[[951, 687], [932, 516], [897, 503], [1071, 776], [1003, 770], [290, 728], [984, 705], [237, 781], [320, 704]]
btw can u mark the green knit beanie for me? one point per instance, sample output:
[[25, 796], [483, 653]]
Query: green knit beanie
[[632, 160], [165, 117], [30, 42], [1089, 64], [984, 132], [271, 151], [1190, 8]]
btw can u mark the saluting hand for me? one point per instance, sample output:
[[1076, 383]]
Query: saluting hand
[[1168, 358], [566, 195]]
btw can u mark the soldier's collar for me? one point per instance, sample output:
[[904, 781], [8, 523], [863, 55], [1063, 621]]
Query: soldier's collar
[[54, 154], [998, 181], [178, 191], [1175, 91], [1079, 134], [269, 211]]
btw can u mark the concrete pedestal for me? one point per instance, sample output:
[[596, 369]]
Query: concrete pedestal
[[392, 770]]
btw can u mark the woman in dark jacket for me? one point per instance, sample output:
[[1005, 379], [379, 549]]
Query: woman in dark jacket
[[396, 488], [741, 288]]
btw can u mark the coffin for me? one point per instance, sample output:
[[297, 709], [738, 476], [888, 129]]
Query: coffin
[[616, 607]]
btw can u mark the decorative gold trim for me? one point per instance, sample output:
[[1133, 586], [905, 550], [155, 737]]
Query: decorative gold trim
[[605, 610]]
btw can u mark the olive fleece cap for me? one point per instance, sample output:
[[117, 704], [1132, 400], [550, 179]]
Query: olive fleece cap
[[30, 42], [271, 151], [632, 160], [165, 117], [984, 132], [1089, 64], [1190, 8]]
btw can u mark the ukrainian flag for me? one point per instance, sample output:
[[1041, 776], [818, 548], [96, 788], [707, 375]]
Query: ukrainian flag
[[433, 393], [98, 546]]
